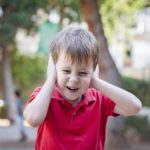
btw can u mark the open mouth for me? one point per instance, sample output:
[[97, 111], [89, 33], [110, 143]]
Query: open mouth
[[73, 89]]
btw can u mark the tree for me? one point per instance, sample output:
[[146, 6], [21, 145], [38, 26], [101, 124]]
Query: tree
[[14, 15], [69, 9], [108, 70], [107, 67], [120, 13]]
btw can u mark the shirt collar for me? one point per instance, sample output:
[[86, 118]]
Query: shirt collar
[[86, 98]]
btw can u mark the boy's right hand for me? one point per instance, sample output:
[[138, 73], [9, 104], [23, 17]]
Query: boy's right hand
[[51, 69]]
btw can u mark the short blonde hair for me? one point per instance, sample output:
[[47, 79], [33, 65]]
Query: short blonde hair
[[79, 44]]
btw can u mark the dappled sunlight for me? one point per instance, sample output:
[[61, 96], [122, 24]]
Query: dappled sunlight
[[4, 123], [7, 123], [26, 123]]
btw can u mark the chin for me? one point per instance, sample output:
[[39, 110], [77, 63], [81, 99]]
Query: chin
[[72, 99]]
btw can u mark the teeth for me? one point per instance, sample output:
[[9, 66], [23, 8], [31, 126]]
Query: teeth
[[72, 88]]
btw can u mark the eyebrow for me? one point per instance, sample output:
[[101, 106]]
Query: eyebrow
[[65, 67], [80, 69]]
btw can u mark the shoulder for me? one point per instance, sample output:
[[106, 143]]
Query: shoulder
[[92, 95], [91, 92], [105, 103], [34, 94], [99, 97], [38, 89]]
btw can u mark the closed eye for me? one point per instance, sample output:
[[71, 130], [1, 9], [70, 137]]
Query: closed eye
[[83, 73], [66, 71]]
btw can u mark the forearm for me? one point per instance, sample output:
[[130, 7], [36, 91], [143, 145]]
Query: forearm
[[125, 100], [35, 112]]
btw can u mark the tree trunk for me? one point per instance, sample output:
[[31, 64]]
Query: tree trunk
[[8, 84], [107, 67]]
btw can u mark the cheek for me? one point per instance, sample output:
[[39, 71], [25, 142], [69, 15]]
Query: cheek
[[86, 81], [58, 72], [60, 78]]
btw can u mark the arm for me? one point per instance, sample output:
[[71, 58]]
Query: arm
[[35, 112], [126, 103]]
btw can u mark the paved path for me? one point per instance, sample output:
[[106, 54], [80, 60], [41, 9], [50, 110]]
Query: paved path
[[9, 137], [13, 145]]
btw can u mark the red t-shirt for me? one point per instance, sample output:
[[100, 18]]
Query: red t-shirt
[[79, 128]]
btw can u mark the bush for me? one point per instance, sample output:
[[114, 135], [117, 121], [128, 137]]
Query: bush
[[28, 71], [140, 88], [3, 111]]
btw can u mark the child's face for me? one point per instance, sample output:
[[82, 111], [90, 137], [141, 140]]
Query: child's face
[[73, 79]]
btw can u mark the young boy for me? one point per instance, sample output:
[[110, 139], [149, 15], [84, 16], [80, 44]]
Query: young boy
[[72, 107]]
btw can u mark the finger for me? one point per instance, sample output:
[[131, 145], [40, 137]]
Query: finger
[[50, 60], [50, 65]]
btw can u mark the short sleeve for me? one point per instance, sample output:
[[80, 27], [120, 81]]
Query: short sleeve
[[33, 95], [108, 106]]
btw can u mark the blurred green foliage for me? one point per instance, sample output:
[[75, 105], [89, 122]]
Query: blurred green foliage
[[3, 111], [119, 14], [69, 9], [18, 14], [28, 71], [141, 88]]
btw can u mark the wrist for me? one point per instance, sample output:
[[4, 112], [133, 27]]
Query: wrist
[[51, 79], [94, 82]]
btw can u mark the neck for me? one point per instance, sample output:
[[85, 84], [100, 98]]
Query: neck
[[74, 102]]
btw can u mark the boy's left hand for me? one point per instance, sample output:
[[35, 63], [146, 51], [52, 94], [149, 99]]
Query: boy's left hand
[[94, 77]]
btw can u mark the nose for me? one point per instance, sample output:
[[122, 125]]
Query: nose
[[74, 78]]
